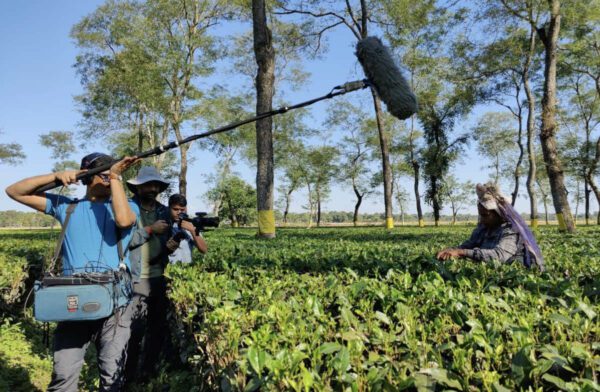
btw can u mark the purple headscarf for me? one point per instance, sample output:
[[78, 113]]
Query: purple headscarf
[[491, 199]]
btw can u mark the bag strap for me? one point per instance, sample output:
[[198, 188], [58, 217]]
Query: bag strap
[[57, 254], [120, 246]]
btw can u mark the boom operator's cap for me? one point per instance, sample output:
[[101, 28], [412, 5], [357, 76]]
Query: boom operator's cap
[[88, 160]]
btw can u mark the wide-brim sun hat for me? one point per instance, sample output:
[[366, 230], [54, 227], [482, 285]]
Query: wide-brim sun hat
[[145, 175]]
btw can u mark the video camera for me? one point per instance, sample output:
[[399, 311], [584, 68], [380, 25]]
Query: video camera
[[201, 221]]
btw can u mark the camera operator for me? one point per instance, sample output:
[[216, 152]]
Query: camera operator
[[183, 233], [149, 257]]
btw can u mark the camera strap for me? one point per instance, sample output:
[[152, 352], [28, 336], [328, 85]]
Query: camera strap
[[57, 250]]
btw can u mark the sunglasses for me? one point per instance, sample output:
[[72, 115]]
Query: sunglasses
[[104, 177]]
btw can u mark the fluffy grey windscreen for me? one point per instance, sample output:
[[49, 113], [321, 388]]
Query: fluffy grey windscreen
[[387, 79]]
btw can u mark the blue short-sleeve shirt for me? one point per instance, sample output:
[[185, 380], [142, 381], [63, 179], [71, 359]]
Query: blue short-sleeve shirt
[[92, 234]]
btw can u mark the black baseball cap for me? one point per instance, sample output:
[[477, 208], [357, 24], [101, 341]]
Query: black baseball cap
[[95, 159]]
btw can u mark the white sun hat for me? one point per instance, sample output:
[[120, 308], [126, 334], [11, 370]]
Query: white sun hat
[[145, 175]]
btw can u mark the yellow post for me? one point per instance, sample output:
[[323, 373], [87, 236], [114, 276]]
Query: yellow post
[[561, 221], [534, 223], [389, 223], [266, 223]]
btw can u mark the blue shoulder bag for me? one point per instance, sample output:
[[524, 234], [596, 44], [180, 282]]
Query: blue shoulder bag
[[82, 295]]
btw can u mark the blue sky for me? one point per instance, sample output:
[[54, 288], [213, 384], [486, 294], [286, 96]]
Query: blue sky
[[38, 83]]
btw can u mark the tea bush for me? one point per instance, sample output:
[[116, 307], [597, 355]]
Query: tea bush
[[357, 309], [364, 309]]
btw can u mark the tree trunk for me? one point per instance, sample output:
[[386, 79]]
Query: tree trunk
[[288, 201], [180, 85], [591, 172], [435, 201], [597, 193], [265, 79], [577, 202], [497, 165], [159, 159], [533, 213], [548, 132], [359, 198], [416, 169], [140, 130], [318, 207], [385, 163], [517, 172], [183, 170], [217, 205], [454, 212], [234, 220], [183, 149], [586, 195], [310, 206]]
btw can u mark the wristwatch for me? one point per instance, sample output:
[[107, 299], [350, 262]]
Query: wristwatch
[[116, 177]]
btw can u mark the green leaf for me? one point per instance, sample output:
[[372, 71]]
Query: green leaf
[[585, 308], [254, 385], [579, 350], [342, 360], [383, 318], [521, 365], [307, 379], [373, 376], [256, 358], [543, 366], [329, 348], [424, 383], [559, 318], [441, 376], [556, 381], [499, 388]]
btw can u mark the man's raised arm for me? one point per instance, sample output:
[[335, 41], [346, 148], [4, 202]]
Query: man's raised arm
[[24, 191], [124, 216]]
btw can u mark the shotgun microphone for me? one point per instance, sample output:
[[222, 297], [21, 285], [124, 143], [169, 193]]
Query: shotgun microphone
[[383, 75], [353, 86], [386, 78]]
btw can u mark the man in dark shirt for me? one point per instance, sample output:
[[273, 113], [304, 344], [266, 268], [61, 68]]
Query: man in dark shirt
[[149, 257]]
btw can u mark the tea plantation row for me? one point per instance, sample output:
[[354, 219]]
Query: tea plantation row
[[366, 309]]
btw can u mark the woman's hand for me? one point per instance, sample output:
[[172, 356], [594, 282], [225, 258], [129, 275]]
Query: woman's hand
[[449, 253]]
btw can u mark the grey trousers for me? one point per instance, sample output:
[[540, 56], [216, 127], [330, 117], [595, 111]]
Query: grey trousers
[[149, 328], [71, 340]]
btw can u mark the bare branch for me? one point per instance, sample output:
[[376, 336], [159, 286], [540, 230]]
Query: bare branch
[[351, 14], [343, 20], [319, 34]]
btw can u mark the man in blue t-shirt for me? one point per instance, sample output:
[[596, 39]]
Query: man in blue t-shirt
[[96, 223]]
